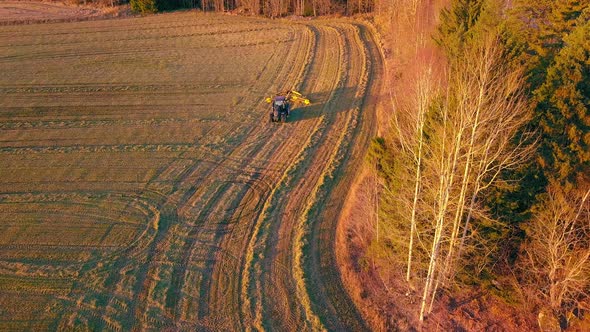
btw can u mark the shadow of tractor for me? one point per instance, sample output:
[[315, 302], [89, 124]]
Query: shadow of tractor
[[340, 100]]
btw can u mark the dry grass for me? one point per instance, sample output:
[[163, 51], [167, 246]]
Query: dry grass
[[141, 185]]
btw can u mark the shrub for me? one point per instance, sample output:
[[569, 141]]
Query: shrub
[[144, 6]]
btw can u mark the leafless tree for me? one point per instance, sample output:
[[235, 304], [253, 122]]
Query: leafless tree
[[457, 147], [557, 251], [409, 122]]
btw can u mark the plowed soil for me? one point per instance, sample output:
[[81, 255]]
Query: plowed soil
[[143, 187]]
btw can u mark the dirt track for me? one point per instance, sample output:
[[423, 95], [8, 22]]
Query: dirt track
[[233, 217]]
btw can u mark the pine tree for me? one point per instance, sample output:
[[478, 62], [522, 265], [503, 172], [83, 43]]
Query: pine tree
[[563, 114], [537, 33], [457, 25]]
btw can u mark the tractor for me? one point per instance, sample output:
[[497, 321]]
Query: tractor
[[281, 104]]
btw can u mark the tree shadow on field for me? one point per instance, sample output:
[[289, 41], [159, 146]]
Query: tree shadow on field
[[342, 100]]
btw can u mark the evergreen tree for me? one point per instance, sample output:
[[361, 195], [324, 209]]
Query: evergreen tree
[[563, 112], [144, 6], [537, 33], [457, 25], [539, 27]]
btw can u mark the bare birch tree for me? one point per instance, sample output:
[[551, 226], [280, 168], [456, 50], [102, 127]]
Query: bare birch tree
[[472, 140], [409, 122], [557, 251]]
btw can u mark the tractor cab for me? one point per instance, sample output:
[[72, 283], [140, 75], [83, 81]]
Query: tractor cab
[[280, 109], [281, 105], [279, 102]]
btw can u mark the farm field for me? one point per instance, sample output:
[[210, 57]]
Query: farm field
[[19, 11], [143, 187]]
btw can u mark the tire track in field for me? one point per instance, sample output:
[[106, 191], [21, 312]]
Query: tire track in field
[[322, 276], [206, 217], [250, 303], [287, 238], [212, 300], [278, 238], [267, 269], [258, 273], [209, 218], [289, 248]]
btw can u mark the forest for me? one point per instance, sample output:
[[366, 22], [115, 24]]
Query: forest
[[485, 169], [268, 8]]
